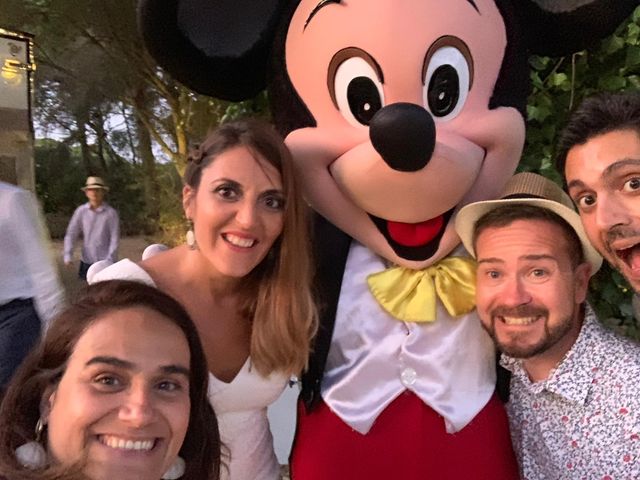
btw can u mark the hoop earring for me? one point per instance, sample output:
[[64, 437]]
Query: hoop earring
[[191, 236], [32, 455], [176, 470]]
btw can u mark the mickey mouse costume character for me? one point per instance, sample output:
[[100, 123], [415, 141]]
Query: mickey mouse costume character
[[398, 113]]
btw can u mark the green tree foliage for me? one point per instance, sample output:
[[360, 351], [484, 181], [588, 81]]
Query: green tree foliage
[[559, 85], [60, 176], [92, 69]]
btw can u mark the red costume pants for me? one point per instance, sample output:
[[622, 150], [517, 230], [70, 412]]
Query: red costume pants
[[408, 441]]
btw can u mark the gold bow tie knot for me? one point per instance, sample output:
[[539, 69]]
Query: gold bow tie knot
[[410, 295]]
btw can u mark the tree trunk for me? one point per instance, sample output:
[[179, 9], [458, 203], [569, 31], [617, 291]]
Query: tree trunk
[[81, 121], [101, 136], [145, 153]]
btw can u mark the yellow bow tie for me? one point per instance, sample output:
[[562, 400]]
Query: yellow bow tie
[[410, 295]]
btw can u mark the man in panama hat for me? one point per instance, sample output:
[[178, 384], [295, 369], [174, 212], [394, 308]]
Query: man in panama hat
[[98, 224], [574, 406]]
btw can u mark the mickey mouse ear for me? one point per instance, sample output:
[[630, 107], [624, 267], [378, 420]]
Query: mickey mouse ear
[[560, 27], [215, 47]]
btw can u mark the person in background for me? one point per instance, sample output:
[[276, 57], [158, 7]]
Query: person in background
[[117, 390], [98, 224], [574, 406], [244, 276], [30, 289]]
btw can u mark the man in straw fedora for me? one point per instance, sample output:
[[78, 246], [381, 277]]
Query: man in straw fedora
[[98, 224], [574, 406]]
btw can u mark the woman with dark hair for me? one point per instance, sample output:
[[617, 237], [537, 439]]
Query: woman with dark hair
[[244, 277], [116, 390]]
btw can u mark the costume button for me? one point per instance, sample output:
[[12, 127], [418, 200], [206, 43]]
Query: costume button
[[408, 376]]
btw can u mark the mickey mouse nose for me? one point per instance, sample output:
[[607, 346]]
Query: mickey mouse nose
[[404, 135]]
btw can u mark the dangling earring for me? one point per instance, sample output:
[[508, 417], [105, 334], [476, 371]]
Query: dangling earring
[[32, 454], [176, 470], [191, 236]]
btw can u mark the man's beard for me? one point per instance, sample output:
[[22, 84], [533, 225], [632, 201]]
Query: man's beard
[[516, 349]]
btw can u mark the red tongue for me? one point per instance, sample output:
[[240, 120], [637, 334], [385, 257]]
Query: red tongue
[[415, 234]]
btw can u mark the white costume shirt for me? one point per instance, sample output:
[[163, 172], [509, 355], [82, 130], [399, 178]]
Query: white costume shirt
[[449, 363]]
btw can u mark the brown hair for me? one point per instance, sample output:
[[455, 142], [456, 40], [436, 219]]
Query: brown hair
[[278, 296], [505, 215], [599, 114], [44, 367]]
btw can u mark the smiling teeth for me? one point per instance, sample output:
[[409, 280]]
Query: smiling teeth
[[519, 320], [239, 242], [122, 444]]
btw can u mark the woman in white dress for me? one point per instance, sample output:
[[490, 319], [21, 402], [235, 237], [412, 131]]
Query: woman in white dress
[[244, 277]]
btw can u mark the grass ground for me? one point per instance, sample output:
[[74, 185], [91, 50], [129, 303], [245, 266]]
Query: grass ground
[[130, 247]]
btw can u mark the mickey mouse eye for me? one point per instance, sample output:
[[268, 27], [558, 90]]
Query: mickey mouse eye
[[357, 89], [447, 80]]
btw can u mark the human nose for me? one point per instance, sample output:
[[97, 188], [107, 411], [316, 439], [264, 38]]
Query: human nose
[[515, 293], [246, 214], [610, 212], [137, 409]]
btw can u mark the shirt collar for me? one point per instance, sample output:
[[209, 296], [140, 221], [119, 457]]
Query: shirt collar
[[100, 209], [573, 376]]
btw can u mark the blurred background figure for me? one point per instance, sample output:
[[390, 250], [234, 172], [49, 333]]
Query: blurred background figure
[[98, 223], [30, 289]]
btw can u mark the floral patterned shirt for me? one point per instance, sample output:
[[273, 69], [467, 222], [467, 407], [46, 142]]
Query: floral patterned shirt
[[583, 421]]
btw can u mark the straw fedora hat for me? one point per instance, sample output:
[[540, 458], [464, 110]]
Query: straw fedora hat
[[528, 189], [94, 183]]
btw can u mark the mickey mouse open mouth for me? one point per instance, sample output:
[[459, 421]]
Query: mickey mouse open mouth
[[414, 241]]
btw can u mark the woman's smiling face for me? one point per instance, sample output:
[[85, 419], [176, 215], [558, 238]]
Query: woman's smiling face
[[237, 211], [122, 404]]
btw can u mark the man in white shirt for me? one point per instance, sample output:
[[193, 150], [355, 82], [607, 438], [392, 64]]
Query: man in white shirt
[[30, 289], [98, 223]]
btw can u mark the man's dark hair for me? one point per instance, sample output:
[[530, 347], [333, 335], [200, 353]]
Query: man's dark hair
[[505, 215], [599, 114]]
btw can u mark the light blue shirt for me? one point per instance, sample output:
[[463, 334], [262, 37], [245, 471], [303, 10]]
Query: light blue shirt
[[100, 230]]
